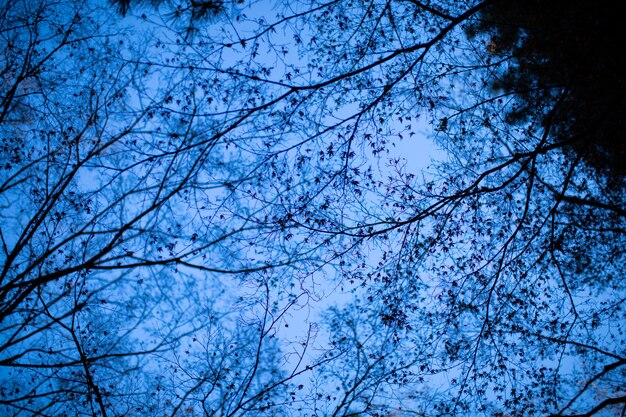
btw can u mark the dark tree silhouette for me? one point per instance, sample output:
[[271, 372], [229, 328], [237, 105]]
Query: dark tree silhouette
[[173, 198], [566, 53], [190, 14], [109, 302], [198, 9]]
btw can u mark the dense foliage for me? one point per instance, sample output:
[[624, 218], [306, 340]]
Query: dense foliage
[[562, 52]]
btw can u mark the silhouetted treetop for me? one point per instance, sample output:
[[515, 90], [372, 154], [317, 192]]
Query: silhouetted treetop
[[565, 61], [199, 8], [186, 13]]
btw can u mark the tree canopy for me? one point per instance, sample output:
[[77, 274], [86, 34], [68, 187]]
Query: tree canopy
[[563, 55], [211, 208]]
